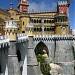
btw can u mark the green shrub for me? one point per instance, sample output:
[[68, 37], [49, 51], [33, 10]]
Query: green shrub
[[45, 68]]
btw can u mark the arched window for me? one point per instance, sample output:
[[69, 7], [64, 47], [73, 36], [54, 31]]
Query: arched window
[[34, 29], [44, 29], [23, 31], [34, 21], [47, 21], [44, 21], [52, 29], [47, 29], [40, 29], [23, 22], [39, 21]]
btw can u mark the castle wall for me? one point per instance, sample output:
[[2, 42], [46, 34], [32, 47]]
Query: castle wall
[[64, 56], [50, 43]]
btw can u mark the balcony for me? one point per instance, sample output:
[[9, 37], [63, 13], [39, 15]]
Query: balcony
[[61, 23]]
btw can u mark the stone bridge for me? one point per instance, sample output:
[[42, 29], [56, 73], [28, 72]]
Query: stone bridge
[[18, 52], [59, 48]]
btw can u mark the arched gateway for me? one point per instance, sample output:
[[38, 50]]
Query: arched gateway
[[40, 47]]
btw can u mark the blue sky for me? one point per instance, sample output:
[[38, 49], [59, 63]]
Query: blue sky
[[42, 5]]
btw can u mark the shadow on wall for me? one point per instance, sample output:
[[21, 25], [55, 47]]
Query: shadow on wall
[[3, 61], [21, 55]]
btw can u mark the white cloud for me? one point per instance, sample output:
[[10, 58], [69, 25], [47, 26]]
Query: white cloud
[[42, 6]]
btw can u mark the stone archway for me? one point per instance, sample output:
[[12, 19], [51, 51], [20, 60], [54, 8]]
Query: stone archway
[[42, 54], [40, 47]]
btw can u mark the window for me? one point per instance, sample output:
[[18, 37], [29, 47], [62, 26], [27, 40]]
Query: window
[[44, 21], [23, 23], [24, 9], [34, 29], [47, 21], [23, 31], [34, 21], [47, 29], [44, 29], [52, 29], [12, 14], [39, 21], [40, 29]]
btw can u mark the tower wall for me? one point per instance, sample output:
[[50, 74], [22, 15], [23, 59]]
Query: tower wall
[[10, 30], [22, 47], [4, 60], [23, 6], [32, 64]]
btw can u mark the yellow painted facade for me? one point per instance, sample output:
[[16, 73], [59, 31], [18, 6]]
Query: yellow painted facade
[[11, 33], [48, 27]]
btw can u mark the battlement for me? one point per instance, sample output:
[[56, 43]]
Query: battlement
[[54, 37], [22, 37], [62, 3], [4, 41], [11, 24]]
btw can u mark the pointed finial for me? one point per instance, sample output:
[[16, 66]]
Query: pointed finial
[[11, 5]]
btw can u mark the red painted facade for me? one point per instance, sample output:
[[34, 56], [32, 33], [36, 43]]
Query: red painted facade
[[63, 9], [23, 6]]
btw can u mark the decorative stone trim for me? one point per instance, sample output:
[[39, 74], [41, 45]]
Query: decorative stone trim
[[53, 37], [12, 55]]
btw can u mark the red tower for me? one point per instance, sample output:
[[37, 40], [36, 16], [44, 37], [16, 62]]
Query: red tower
[[23, 6], [63, 6]]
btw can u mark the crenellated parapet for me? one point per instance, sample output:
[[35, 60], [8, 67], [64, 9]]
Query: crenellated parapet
[[61, 3], [4, 41], [22, 38], [53, 37]]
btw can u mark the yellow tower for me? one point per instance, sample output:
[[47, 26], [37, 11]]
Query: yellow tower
[[30, 29], [11, 29]]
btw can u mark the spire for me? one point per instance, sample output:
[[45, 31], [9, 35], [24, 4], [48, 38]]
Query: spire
[[68, 1], [11, 5]]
